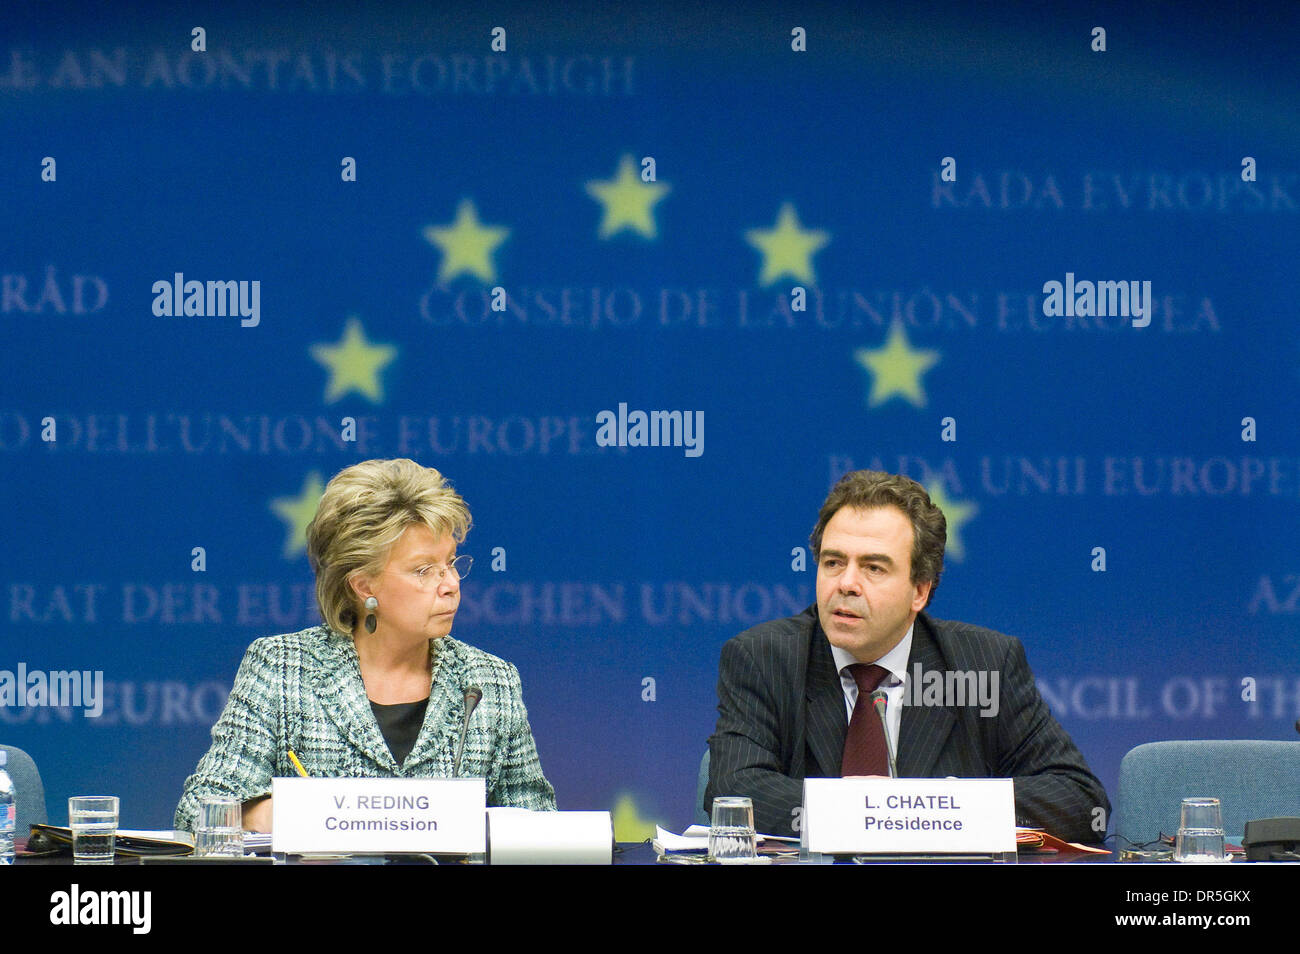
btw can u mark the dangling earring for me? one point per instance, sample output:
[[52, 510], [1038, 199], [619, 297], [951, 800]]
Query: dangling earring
[[372, 604]]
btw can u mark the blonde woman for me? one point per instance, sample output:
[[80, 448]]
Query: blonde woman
[[381, 688]]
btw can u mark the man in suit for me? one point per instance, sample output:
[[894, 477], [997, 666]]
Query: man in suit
[[794, 694]]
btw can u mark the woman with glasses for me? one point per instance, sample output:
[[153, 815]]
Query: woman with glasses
[[381, 688]]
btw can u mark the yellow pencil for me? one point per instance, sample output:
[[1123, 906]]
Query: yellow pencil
[[298, 765]]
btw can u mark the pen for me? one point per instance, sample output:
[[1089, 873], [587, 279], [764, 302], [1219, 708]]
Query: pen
[[298, 765]]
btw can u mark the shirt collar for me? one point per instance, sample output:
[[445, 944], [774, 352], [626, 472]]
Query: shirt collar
[[895, 661]]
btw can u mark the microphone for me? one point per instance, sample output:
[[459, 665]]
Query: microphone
[[879, 700], [472, 696]]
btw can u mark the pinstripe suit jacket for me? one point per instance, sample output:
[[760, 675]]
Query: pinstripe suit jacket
[[781, 718], [303, 691]]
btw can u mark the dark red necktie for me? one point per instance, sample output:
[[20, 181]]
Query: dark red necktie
[[864, 746]]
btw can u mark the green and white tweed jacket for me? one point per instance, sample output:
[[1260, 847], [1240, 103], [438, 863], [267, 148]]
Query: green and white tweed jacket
[[303, 691]]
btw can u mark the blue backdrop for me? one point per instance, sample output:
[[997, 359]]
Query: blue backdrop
[[662, 284]]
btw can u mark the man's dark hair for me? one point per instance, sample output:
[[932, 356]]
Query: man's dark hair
[[867, 489]]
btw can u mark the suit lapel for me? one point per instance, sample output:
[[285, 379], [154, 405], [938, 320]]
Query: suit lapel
[[444, 715], [336, 682], [923, 729], [827, 724]]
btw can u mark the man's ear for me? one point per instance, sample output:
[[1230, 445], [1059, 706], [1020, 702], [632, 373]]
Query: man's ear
[[922, 594]]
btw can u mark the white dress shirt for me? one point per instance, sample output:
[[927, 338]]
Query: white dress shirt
[[894, 685]]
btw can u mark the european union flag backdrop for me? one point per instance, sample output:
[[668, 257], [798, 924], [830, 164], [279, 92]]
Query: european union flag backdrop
[[826, 232]]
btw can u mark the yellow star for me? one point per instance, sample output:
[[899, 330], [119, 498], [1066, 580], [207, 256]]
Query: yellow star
[[297, 512], [957, 515], [787, 249], [897, 368], [467, 245], [354, 364], [628, 823], [628, 201]]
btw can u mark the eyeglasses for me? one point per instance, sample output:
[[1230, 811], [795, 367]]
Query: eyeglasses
[[434, 573]]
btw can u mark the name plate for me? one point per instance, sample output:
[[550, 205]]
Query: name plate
[[909, 815], [517, 836], [377, 816]]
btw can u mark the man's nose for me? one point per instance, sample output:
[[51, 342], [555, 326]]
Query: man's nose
[[851, 579]]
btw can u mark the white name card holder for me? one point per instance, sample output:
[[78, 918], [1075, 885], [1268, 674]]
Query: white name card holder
[[379, 816], [517, 836], [909, 819]]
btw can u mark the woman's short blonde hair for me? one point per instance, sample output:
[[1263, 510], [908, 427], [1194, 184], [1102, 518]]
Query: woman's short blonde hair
[[363, 512]]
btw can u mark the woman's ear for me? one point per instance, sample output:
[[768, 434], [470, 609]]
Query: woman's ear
[[359, 583]]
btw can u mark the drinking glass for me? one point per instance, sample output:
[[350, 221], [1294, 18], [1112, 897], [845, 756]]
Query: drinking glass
[[93, 820], [1200, 832], [219, 830], [731, 834]]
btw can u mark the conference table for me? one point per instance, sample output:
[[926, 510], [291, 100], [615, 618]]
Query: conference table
[[625, 853]]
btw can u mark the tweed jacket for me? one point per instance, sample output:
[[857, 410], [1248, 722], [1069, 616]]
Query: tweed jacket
[[303, 691], [781, 719]]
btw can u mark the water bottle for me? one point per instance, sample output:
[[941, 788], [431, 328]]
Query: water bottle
[[7, 812]]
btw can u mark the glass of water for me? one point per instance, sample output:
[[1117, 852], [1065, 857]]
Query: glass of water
[[219, 831], [731, 833], [93, 820], [1200, 832]]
